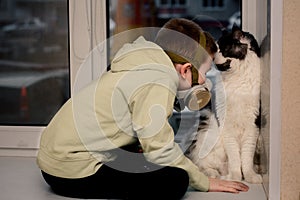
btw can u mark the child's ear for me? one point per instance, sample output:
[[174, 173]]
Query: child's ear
[[184, 69]]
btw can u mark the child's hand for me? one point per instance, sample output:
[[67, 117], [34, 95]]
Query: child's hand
[[217, 185]]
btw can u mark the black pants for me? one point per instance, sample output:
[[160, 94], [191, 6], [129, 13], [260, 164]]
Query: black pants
[[108, 183]]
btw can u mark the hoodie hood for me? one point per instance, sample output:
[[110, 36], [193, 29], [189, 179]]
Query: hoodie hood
[[143, 55]]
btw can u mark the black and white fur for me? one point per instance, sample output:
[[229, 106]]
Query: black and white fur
[[233, 134]]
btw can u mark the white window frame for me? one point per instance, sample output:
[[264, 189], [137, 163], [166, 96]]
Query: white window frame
[[89, 15], [253, 12]]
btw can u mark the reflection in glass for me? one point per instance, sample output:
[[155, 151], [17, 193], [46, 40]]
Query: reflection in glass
[[213, 15], [34, 64]]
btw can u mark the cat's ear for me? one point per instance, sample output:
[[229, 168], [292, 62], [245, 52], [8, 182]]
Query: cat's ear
[[235, 27], [224, 31], [236, 31]]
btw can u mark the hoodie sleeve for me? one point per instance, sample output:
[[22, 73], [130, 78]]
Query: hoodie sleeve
[[151, 107]]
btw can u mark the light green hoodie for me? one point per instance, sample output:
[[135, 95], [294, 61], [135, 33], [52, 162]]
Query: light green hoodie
[[131, 102]]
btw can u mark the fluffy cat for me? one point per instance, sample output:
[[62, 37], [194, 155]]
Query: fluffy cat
[[226, 140]]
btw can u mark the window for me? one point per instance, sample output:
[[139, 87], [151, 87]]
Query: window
[[212, 16], [154, 13], [213, 4], [87, 27], [34, 70], [34, 60]]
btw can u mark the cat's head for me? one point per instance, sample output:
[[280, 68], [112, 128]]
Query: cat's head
[[236, 43]]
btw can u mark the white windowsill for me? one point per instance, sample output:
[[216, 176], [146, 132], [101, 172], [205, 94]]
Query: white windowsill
[[21, 179]]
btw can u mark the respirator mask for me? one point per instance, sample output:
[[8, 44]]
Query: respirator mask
[[194, 98]]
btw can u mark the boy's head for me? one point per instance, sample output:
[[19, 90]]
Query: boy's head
[[189, 47]]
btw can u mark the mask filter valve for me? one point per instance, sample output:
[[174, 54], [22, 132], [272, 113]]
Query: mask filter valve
[[194, 98]]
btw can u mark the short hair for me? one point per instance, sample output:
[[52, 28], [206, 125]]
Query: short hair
[[185, 41]]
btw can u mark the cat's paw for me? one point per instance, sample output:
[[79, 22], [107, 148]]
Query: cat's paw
[[253, 178], [234, 176]]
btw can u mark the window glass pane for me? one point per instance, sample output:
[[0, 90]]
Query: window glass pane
[[34, 60], [212, 16]]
